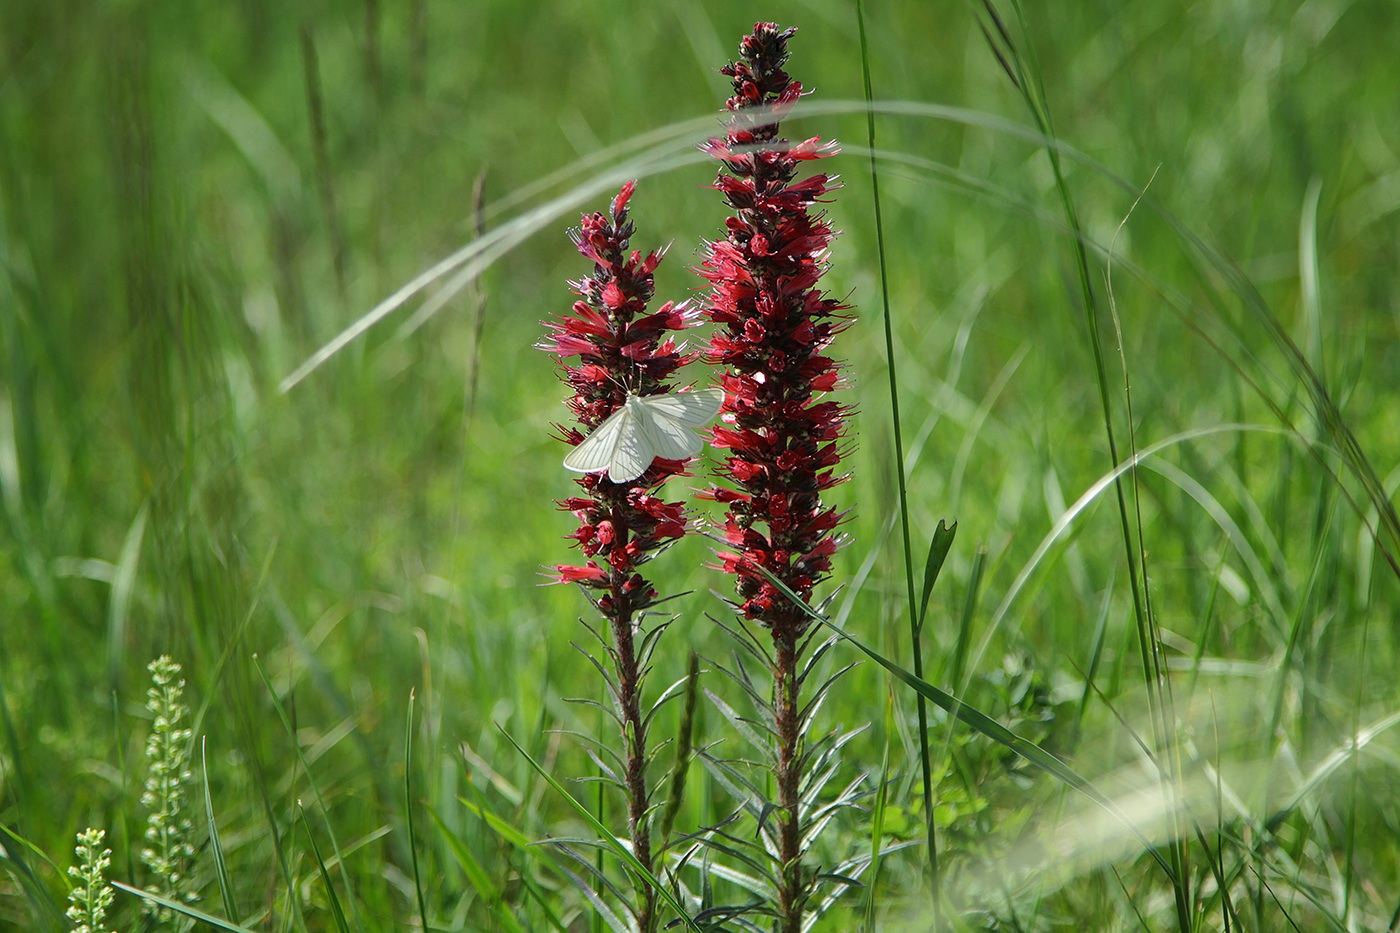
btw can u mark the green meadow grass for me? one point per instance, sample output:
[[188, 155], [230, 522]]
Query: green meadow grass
[[195, 198]]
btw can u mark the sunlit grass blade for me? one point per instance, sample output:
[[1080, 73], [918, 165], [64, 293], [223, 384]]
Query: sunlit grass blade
[[998, 733], [120, 607], [1347, 751], [456, 271]]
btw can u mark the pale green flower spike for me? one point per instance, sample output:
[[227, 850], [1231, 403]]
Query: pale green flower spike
[[168, 852], [91, 894]]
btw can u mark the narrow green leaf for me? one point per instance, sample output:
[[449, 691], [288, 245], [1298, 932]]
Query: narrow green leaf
[[974, 587], [34, 887], [336, 910], [503, 829], [544, 901], [938, 548], [122, 587], [408, 812], [476, 875], [215, 845], [738, 723], [185, 909]]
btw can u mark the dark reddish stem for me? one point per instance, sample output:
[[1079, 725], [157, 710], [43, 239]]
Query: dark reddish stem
[[791, 893], [634, 735]]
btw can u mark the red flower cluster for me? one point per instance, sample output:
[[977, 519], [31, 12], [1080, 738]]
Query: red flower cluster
[[774, 324], [620, 348]]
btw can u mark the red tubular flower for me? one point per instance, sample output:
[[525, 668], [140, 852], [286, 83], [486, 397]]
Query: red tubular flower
[[774, 326]]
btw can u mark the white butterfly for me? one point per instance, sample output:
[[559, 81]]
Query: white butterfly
[[644, 428]]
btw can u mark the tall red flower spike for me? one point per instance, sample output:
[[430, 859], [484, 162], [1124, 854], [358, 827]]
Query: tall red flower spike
[[784, 442], [774, 325], [620, 348]]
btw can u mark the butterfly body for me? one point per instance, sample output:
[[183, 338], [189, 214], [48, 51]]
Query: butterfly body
[[644, 428]]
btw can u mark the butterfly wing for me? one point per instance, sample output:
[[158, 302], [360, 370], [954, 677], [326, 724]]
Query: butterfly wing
[[634, 450], [597, 450], [644, 429], [667, 420], [668, 438], [692, 409]]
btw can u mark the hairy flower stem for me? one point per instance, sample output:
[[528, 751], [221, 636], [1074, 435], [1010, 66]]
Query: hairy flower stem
[[634, 735], [791, 895]]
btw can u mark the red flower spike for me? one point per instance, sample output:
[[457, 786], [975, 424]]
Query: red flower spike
[[618, 347], [772, 329]]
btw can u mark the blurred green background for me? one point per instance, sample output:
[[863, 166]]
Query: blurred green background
[[195, 197]]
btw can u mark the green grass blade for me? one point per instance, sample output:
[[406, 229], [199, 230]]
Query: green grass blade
[[408, 812], [497, 823], [19, 769], [938, 547], [1025, 73], [618, 849], [974, 589], [337, 911], [523, 843], [915, 615], [216, 845], [184, 909], [477, 876], [122, 585], [310, 780], [38, 894]]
